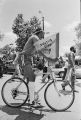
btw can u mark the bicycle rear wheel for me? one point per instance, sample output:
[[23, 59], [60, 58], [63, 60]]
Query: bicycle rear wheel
[[58, 99], [15, 92]]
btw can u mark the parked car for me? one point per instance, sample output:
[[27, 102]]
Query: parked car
[[78, 60], [78, 71], [60, 63], [60, 71], [9, 67]]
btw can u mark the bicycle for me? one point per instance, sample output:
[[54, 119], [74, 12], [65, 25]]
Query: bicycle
[[55, 99]]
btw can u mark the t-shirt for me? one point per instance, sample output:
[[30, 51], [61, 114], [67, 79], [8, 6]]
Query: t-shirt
[[29, 48], [71, 59]]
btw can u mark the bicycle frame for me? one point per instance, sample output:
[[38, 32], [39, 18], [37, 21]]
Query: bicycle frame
[[52, 75], [52, 82]]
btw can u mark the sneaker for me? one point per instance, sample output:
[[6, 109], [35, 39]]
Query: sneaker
[[33, 102], [36, 104], [64, 92]]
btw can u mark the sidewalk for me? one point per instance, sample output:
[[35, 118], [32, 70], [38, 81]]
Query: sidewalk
[[7, 113]]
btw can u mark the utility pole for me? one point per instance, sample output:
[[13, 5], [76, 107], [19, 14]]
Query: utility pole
[[40, 12], [43, 22], [80, 10], [43, 31]]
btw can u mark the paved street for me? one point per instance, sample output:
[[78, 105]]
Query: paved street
[[73, 113]]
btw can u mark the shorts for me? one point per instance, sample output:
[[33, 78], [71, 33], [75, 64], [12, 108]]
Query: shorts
[[28, 72]]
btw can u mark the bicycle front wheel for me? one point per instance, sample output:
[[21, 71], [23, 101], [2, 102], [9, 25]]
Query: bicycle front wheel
[[15, 92], [58, 99]]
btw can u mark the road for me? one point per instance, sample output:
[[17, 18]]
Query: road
[[73, 113]]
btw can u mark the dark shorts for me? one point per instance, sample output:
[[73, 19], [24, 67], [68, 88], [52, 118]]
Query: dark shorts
[[28, 72]]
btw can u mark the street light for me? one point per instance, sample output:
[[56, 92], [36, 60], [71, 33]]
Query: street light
[[80, 10], [40, 12]]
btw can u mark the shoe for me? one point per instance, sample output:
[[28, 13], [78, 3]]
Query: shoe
[[76, 91], [36, 104], [64, 92], [33, 102]]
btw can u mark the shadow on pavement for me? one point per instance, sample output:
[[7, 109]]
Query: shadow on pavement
[[43, 109], [22, 115]]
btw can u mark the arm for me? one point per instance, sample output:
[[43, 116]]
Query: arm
[[48, 58]]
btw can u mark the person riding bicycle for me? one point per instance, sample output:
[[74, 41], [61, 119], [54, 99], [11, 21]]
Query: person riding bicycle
[[70, 74], [28, 51]]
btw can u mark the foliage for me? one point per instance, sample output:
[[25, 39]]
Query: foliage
[[78, 41], [78, 31], [23, 29], [7, 52], [1, 36]]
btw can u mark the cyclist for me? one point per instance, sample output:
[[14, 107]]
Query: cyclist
[[70, 74], [28, 51]]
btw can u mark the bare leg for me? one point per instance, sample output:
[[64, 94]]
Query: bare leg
[[67, 78], [31, 90]]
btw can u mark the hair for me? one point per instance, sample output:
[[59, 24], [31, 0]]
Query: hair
[[73, 49]]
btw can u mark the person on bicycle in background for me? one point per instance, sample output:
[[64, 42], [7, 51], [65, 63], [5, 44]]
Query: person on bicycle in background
[[28, 51], [70, 74]]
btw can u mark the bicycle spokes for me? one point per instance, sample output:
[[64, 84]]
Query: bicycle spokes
[[15, 92], [56, 98]]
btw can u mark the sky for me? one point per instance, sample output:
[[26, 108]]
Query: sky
[[59, 15]]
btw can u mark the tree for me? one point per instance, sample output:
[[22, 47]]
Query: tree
[[78, 31], [1, 36], [78, 41], [7, 51], [23, 29]]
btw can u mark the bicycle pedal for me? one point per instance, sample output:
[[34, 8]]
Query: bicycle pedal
[[65, 92], [76, 91]]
